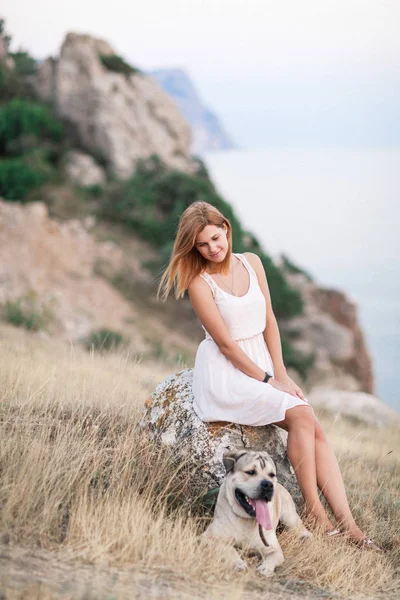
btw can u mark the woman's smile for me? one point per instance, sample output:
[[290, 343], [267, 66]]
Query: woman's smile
[[216, 254]]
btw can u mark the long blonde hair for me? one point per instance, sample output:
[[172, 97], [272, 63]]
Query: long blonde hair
[[186, 261]]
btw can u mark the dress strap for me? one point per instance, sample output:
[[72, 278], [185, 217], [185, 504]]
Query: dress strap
[[246, 263], [211, 283]]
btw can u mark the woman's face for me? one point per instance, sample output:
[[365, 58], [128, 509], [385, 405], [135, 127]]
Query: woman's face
[[212, 243]]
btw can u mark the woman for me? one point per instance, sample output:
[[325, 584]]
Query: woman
[[239, 374]]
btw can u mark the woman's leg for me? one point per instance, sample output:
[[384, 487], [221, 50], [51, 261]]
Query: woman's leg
[[299, 422], [330, 482], [320, 469]]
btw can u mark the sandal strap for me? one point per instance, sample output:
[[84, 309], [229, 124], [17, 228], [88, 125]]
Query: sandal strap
[[371, 544], [333, 532]]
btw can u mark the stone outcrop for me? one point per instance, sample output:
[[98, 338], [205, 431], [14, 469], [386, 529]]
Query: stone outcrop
[[170, 420], [208, 132], [123, 117], [359, 406], [52, 266], [82, 169], [329, 330]]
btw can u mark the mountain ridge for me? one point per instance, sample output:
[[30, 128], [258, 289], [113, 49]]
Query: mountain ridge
[[208, 132]]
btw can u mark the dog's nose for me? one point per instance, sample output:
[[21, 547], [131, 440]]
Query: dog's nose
[[266, 486]]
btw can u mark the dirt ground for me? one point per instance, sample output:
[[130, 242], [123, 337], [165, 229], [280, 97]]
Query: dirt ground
[[34, 574]]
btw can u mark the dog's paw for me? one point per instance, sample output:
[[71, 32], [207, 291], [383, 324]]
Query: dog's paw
[[240, 565], [306, 535], [266, 570]]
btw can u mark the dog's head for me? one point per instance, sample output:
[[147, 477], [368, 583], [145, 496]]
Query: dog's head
[[250, 484]]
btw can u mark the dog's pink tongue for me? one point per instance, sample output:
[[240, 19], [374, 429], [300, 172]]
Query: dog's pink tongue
[[262, 514]]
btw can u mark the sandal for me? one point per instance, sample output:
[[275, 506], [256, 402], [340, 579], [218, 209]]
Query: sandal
[[333, 533], [368, 544]]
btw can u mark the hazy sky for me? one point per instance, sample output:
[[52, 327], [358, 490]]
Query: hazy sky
[[278, 72]]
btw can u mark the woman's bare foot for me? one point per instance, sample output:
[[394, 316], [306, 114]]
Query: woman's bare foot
[[319, 518]]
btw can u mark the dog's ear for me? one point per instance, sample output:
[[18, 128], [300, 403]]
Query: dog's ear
[[230, 458]]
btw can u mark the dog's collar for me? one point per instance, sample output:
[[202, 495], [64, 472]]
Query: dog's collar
[[262, 536]]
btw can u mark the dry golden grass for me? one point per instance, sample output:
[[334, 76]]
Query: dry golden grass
[[76, 476]]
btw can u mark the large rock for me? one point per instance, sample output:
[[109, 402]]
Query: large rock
[[330, 331], [82, 169], [171, 420], [123, 117], [359, 406], [52, 265]]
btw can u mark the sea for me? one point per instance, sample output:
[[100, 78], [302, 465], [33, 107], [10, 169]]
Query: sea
[[336, 214]]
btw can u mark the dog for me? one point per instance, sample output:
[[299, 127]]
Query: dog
[[249, 506]]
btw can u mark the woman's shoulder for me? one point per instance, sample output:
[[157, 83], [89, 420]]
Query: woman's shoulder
[[253, 259], [198, 283]]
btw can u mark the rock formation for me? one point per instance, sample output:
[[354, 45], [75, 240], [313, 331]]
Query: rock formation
[[170, 420], [359, 406], [121, 116], [329, 330], [52, 266], [82, 169], [208, 133]]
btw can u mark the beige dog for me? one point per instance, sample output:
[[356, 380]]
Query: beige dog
[[250, 504]]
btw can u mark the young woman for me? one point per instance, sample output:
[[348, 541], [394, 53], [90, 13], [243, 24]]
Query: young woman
[[239, 373]]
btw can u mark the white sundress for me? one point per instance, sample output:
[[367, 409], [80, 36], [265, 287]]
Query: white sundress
[[222, 392]]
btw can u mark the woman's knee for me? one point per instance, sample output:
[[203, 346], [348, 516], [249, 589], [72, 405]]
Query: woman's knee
[[300, 417]]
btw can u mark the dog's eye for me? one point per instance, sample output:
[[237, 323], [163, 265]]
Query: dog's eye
[[271, 474], [252, 472]]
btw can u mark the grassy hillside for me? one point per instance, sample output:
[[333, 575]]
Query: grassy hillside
[[80, 486], [33, 147]]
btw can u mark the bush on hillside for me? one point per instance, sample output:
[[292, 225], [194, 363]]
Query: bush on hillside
[[289, 267], [26, 312], [115, 63], [17, 178], [22, 118], [10, 84], [13, 80], [151, 203], [24, 63], [104, 339]]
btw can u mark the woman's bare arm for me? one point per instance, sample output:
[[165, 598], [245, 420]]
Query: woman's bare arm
[[204, 305], [271, 333]]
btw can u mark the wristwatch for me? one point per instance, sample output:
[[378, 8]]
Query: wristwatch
[[267, 377]]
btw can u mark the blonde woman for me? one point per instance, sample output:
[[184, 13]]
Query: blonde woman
[[239, 374]]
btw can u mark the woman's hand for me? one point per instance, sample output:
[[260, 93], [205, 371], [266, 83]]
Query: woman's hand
[[286, 384]]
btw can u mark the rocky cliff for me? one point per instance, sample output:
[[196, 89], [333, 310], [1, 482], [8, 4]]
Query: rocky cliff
[[329, 330], [208, 132], [118, 112]]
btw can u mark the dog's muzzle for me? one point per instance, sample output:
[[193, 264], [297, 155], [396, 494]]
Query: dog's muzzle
[[258, 507]]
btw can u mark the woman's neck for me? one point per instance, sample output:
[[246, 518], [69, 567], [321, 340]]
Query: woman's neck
[[213, 269]]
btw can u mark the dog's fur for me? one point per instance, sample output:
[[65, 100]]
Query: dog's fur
[[252, 475]]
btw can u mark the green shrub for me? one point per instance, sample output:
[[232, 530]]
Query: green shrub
[[24, 313], [10, 84], [24, 63], [115, 63], [290, 267], [151, 203], [104, 339], [18, 178], [22, 118]]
